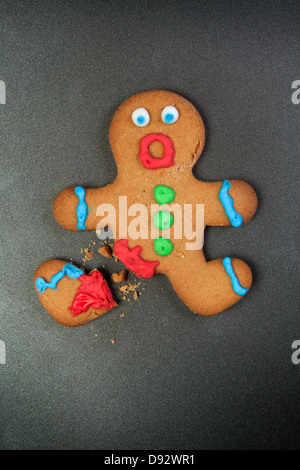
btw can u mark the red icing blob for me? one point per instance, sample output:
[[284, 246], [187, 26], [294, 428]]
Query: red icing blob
[[133, 260], [154, 163], [93, 292]]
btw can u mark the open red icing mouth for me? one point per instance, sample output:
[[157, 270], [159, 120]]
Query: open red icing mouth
[[151, 162]]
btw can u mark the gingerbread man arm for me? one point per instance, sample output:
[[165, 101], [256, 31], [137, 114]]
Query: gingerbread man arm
[[228, 202], [75, 208]]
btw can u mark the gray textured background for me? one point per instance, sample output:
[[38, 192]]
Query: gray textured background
[[172, 380]]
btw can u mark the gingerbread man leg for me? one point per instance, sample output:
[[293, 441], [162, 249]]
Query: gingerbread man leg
[[212, 287], [71, 296]]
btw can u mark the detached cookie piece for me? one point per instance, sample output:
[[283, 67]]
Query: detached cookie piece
[[119, 277], [105, 251], [70, 296]]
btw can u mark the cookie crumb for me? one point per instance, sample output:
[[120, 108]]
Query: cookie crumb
[[120, 276], [88, 255], [135, 295], [122, 315], [112, 341], [105, 251]]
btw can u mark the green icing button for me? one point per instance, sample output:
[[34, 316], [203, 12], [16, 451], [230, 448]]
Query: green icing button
[[163, 194], [163, 246], [163, 219]]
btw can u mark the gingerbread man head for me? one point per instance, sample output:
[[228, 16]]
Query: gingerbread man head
[[156, 129]]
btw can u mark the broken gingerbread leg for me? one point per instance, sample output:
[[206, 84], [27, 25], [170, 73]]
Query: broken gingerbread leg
[[71, 296]]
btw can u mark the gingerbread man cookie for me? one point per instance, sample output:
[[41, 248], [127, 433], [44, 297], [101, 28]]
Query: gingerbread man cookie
[[156, 138]]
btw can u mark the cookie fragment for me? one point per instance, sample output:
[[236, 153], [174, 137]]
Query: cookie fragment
[[105, 251], [120, 276], [72, 299]]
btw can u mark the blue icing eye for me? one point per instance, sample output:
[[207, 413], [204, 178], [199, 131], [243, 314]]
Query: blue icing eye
[[169, 114], [140, 117], [141, 120]]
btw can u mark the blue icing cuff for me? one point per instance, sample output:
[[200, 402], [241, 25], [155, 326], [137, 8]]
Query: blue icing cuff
[[68, 269], [235, 218], [235, 283], [82, 208]]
